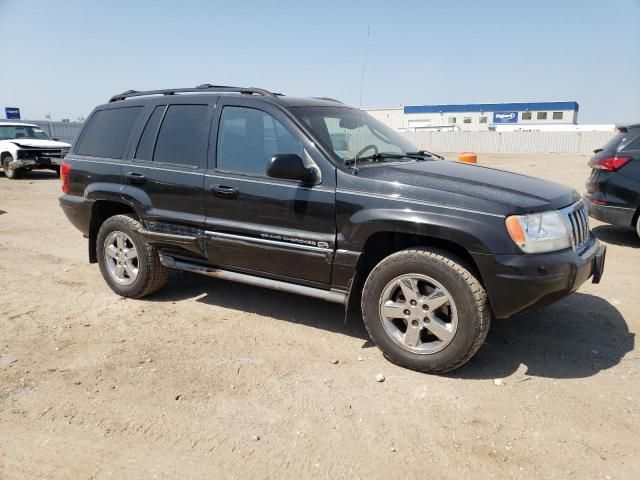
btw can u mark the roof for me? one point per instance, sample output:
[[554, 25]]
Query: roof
[[492, 107]]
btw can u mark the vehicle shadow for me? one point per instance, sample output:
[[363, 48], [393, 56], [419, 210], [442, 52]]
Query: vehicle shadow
[[575, 338], [284, 306], [617, 235], [35, 175]]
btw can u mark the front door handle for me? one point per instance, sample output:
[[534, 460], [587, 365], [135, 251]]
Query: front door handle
[[222, 191], [136, 178]]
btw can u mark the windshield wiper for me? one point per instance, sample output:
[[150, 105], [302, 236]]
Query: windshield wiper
[[425, 153], [376, 157]]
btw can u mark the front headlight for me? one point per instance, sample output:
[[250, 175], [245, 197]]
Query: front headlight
[[539, 232]]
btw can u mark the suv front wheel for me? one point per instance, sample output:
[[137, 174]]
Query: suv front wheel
[[129, 265], [425, 310], [10, 173]]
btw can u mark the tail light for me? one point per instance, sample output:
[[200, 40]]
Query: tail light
[[65, 176], [610, 164]]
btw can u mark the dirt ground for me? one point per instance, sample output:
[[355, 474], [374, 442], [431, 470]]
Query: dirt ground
[[210, 379]]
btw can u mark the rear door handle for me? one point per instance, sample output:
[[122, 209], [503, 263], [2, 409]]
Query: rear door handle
[[222, 191], [136, 178]]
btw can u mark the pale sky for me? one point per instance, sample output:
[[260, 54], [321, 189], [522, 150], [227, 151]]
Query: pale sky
[[66, 57]]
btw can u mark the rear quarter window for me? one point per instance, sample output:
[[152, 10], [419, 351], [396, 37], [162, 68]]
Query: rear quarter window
[[108, 132], [630, 142], [183, 135], [612, 144]]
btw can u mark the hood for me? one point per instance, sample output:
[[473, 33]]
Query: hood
[[470, 186], [35, 143]]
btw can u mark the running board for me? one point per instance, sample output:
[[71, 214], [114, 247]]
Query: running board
[[327, 295]]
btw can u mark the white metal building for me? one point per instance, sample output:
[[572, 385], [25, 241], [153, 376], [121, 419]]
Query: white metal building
[[477, 116]]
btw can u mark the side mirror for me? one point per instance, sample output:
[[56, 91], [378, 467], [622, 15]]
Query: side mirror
[[291, 167], [55, 139]]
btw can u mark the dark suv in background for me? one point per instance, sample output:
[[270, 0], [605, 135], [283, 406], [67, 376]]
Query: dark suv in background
[[613, 189], [311, 196]]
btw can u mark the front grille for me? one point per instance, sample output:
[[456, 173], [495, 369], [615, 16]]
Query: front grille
[[42, 152], [577, 219]]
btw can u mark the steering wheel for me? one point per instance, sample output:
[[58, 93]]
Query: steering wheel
[[368, 147]]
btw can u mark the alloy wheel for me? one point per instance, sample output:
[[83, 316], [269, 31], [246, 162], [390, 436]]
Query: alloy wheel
[[418, 313]]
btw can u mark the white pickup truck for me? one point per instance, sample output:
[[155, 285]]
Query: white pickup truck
[[25, 146]]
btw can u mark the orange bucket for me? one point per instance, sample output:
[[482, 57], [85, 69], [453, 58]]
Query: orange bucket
[[468, 157]]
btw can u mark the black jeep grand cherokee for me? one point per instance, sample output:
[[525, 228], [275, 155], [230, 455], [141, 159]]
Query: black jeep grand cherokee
[[314, 197]]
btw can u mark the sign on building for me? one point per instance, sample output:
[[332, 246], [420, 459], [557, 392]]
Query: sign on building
[[12, 113], [505, 117]]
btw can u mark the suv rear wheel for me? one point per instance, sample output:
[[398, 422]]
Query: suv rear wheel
[[129, 265], [425, 310], [638, 226]]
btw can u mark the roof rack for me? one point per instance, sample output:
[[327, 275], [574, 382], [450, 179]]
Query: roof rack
[[205, 87]]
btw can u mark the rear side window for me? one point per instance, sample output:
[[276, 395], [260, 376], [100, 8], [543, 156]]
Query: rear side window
[[148, 138], [108, 131], [183, 135]]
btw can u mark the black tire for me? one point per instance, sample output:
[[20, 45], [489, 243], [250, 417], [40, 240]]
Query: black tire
[[9, 173], [638, 226], [152, 275], [466, 291]]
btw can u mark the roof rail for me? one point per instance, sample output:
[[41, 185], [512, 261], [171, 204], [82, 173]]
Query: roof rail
[[329, 99], [205, 87]]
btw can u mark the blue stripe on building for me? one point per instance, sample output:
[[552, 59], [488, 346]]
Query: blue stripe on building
[[492, 107]]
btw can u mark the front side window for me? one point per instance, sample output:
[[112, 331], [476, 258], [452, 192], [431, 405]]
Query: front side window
[[541, 116], [249, 138], [346, 132], [557, 115], [183, 135], [108, 131], [16, 132]]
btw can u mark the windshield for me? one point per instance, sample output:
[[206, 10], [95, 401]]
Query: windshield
[[347, 132], [16, 132]]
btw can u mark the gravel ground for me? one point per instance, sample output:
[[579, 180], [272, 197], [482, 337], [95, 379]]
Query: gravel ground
[[210, 379]]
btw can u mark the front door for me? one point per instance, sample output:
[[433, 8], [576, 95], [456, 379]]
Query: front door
[[266, 226]]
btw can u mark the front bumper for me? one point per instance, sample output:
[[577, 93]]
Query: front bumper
[[608, 213], [516, 283], [34, 163]]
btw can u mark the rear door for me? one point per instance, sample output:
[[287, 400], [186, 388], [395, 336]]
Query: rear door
[[167, 167], [267, 226]]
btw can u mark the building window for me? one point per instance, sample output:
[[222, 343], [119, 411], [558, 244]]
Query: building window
[[466, 120], [541, 116], [557, 115], [452, 119], [483, 120], [526, 115]]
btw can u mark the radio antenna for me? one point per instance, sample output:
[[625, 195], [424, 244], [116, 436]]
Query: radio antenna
[[364, 65], [364, 68]]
